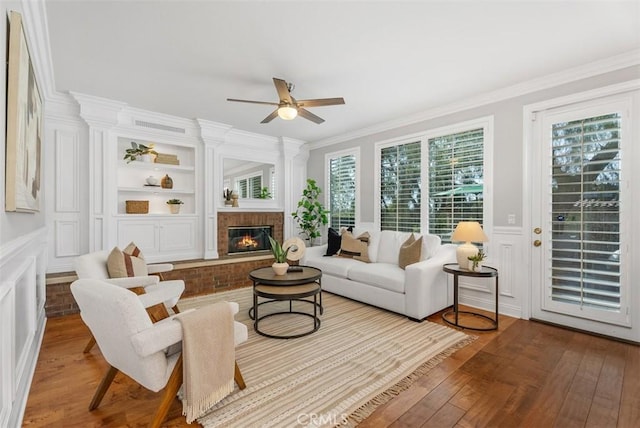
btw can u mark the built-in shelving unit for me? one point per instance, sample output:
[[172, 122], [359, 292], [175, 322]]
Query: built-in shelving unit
[[132, 179]]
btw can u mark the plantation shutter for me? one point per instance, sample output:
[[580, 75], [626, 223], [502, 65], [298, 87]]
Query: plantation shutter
[[255, 184], [400, 187], [456, 176], [342, 191], [242, 188], [585, 215]]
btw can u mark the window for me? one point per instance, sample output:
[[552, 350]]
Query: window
[[249, 186], [400, 192], [445, 168], [342, 195], [456, 181]]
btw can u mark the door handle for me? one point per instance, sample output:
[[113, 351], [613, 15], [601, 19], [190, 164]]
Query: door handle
[[537, 231], [537, 243]]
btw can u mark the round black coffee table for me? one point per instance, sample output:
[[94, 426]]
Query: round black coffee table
[[293, 286]]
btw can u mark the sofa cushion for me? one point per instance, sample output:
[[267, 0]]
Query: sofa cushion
[[430, 245], [410, 252], [387, 276], [336, 266], [389, 246], [333, 242], [356, 248]]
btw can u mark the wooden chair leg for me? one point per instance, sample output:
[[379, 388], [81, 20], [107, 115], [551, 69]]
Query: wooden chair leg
[[175, 309], [170, 392], [102, 388], [90, 344], [238, 377]]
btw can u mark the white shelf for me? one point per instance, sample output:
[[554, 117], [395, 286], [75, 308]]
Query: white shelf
[[154, 189], [155, 166]]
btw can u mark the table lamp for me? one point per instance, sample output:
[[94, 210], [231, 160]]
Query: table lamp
[[467, 232]]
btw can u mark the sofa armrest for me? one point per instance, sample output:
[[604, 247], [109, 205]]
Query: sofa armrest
[[313, 253], [426, 283], [134, 281]]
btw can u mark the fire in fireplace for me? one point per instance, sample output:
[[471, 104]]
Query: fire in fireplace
[[244, 239]]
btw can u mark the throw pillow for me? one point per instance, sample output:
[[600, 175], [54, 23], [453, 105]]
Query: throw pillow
[[121, 264], [355, 248], [410, 251], [333, 242]]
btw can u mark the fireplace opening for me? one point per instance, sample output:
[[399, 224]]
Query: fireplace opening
[[247, 239]]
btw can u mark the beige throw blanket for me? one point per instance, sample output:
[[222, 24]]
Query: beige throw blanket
[[208, 354]]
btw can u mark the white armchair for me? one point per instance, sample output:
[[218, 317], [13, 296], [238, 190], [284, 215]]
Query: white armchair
[[94, 266], [132, 344]]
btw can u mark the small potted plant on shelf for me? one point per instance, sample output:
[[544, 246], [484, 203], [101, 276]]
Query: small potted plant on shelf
[[280, 266], [174, 205], [139, 151], [475, 262]]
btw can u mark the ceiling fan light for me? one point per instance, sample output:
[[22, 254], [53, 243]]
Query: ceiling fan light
[[287, 112]]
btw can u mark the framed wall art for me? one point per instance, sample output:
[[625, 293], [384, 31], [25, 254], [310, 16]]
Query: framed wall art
[[24, 125]]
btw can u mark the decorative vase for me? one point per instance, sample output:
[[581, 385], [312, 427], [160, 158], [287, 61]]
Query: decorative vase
[[477, 268], [148, 157], [166, 182], [280, 268], [174, 208], [234, 199], [152, 181]]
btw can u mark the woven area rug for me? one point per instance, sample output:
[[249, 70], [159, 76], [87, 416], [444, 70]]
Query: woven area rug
[[360, 358]]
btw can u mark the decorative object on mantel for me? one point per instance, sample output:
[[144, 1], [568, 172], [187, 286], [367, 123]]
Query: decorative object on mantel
[[227, 196], [174, 205], [280, 266], [295, 248], [145, 153], [234, 199], [152, 181], [475, 262], [166, 182], [467, 232], [310, 214], [137, 207]]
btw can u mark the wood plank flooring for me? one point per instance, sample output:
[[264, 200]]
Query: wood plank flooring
[[526, 374]]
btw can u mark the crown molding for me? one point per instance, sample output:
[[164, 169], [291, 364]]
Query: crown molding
[[617, 62], [36, 29]]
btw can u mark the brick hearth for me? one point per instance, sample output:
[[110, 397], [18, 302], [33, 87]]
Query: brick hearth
[[200, 276]]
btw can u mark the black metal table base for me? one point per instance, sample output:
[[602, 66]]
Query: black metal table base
[[314, 316], [456, 323]]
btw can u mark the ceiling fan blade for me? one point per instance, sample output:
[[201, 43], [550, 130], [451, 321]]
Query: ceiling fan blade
[[310, 116], [283, 90], [272, 116], [252, 102], [321, 102]]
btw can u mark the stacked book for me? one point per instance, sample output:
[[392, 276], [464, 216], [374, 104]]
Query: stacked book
[[167, 159]]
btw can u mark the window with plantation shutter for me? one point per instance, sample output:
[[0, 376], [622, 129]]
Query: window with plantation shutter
[[255, 185], [456, 181], [342, 188], [400, 193], [249, 186]]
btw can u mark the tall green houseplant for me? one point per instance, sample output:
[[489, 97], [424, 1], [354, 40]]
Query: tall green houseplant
[[310, 214]]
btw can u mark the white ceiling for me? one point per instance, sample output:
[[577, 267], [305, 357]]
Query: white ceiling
[[387, 59]]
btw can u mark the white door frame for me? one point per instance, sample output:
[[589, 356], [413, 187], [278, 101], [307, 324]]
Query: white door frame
[[530, 201]]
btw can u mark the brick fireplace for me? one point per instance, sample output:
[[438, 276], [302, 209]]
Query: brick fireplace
[[234, 219]]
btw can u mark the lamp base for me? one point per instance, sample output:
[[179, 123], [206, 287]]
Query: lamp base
[[463, 252]]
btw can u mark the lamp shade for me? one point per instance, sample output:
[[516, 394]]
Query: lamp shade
[[467, 232], [287, 112]]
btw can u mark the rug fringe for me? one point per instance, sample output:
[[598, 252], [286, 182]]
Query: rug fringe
[[369, 407]]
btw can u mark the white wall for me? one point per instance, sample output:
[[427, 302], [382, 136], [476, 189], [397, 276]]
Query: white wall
[[22, 253]]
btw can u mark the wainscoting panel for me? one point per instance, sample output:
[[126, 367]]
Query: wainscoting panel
[[67, 238], [67, 170], [22, 316], [505, 254]]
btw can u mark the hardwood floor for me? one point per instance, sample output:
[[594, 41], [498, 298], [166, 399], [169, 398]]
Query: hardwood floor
[[524, 375]]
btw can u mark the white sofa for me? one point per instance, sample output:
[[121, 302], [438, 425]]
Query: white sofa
[[417, 291]]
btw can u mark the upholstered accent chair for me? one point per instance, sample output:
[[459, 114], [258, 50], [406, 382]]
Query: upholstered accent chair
[[94, 266], [148, 353]]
